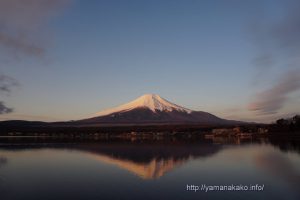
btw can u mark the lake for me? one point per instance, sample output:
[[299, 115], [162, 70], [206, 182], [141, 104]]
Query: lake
[[139, 169]]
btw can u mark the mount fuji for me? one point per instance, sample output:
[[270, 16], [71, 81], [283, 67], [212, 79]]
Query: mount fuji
[[153, 109]]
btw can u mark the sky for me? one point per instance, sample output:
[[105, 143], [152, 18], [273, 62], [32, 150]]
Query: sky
[[68, 59]]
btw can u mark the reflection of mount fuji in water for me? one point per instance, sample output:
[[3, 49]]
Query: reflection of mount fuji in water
[[153, 169], [146, 159], [149, 161]]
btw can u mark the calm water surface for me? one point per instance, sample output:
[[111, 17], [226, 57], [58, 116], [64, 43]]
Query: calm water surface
[[147, 170]]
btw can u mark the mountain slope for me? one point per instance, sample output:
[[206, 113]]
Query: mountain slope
[[152, 108]]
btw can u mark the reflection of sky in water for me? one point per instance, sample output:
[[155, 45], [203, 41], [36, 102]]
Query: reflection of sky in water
[[3, 161], [92, 173]]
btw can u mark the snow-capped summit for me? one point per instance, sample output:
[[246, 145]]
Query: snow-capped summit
[[151, 101]]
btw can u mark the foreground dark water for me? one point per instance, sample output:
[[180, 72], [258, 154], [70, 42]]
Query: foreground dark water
[[147, 169]]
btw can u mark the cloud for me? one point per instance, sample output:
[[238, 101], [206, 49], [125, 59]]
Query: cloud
[[20, 23], [6, 83], [20, 45], [4, 109], [271, 100], [277, 39], [277, 34]]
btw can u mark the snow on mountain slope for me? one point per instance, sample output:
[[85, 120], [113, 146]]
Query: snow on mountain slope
[[151, 101]]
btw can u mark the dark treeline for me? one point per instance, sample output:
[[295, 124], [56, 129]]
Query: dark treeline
[[290, 125], [73, 130]]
